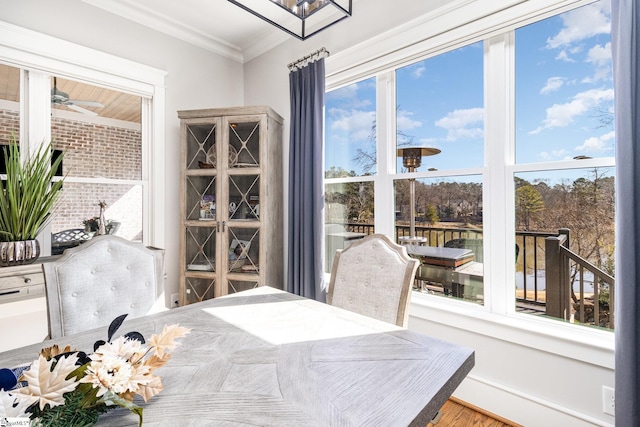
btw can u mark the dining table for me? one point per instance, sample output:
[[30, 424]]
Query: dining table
[[266, 357]]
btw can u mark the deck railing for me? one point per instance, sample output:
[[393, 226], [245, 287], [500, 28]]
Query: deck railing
[[565, 269], [530, 262], [548, 270]]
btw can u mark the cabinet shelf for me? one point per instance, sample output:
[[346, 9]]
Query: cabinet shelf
[[224, 208], [200, 172]]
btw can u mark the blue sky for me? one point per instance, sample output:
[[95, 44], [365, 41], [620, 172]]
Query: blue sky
[[563, 94]]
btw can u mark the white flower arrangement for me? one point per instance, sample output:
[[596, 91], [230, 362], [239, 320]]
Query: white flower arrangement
[[65, 387]]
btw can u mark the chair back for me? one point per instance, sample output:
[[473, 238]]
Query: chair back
[[374, 277], [90, 285]]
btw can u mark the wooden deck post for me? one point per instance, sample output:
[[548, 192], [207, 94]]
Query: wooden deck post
[[557, 291]]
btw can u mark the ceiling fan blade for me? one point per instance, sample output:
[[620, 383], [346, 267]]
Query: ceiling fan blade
[[86, 103], [81, 110], [58, 96]]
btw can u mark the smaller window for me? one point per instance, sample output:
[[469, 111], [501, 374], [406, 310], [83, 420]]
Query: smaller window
[[447, 237], [100, 131], [349, 215], [350, 130], [440, 103]]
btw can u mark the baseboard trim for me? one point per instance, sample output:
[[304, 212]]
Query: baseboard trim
[[483, 393]]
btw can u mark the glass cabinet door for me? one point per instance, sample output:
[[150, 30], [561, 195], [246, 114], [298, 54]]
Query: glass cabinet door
[[242, 184], [200, 210]]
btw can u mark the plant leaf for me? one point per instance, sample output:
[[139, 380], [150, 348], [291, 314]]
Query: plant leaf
[[98, 344], [28, 193], [147, 391], [115, 324], [113, 399], [48, 383], [165, 340], [7, 408], [155, 362], [135, 336]]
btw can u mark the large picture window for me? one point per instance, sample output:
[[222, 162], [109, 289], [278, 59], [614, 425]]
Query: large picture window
[[517, 179], [564, 210]]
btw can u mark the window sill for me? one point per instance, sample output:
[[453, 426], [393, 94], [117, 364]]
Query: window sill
[[571, 341]]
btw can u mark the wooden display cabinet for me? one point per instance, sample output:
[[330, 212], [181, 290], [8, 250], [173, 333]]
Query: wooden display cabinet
[[231, 203]]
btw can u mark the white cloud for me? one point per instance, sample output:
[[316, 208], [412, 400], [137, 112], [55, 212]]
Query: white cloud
[[428, 141], [560, 115], [554, 155], [357, 123], [348, 97], [598, 143], [562, 56], [600, 55], [346, 92], [553, 84], [582, 23], [405, 122], [418, 72], [460, 124]]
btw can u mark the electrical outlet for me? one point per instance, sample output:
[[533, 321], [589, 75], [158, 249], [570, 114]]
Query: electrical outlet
[[175, 300], [608, 400]]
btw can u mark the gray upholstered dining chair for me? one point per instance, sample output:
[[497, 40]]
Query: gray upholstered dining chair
[[373, 276], [91, 284]]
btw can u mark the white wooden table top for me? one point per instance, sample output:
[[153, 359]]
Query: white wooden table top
[[269, 358]]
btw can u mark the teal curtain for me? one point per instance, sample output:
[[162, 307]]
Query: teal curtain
[[306, 200]]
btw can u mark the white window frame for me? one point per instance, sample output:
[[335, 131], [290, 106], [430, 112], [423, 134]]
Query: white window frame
[[40, 56], [440, 32]]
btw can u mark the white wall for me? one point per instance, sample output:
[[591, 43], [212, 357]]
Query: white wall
[[196, 78], [530, 374]]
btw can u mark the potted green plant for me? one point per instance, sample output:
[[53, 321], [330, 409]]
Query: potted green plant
[[27, 196]]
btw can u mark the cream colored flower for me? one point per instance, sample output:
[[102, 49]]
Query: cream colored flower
[[121, 347], [114, 373], [46, 385]]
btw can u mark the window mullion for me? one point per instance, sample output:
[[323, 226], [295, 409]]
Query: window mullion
[[385, 148], [35, 127], [36, 120], [498, 211]]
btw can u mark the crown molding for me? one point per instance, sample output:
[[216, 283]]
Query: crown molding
[[128, 9], [29, 49]]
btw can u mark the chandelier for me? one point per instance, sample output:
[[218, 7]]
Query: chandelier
[[299, 18]]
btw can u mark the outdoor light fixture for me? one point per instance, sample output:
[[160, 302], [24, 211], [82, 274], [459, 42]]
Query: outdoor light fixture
[[412, 159], [300, 18]]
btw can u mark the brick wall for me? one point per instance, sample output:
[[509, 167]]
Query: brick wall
[[9, 125], [93, 150]]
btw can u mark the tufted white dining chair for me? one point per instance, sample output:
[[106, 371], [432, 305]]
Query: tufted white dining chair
[[91, 284], [373, 276]]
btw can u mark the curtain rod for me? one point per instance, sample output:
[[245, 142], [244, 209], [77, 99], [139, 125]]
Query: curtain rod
[[306, 59]]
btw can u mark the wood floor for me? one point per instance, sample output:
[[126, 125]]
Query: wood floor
[[457, 413]]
